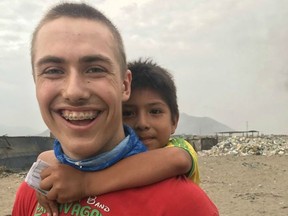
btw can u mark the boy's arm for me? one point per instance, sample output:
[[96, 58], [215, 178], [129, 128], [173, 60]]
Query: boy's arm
[[68, 184], [193, 173], [140, 170]]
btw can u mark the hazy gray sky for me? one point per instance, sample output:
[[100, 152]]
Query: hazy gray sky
[[229, 58]]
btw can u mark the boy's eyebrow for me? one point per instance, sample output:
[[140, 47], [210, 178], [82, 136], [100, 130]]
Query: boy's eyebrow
[[94, 58], [157, 103], [85, 59], [49, 59]]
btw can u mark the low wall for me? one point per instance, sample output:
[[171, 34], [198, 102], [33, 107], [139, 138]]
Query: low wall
[[19, 153], [201, 143]]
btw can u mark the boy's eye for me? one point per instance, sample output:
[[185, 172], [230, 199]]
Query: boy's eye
[[127, 113], [53, 71], [155, 111], [95, 70]]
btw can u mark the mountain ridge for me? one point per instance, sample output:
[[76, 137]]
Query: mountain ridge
[[187, 125], [192, 125]]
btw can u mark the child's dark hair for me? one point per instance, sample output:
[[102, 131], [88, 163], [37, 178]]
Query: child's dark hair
[[146, 74]]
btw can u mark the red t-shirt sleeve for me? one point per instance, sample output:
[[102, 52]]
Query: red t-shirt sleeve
[[25, 201]]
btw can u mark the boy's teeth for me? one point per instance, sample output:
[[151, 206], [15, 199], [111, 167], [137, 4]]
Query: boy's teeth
[[69, 115]]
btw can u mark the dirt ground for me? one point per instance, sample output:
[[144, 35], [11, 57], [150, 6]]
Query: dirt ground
[[246, 186]]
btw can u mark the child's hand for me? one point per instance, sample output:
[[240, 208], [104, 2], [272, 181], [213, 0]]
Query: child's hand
[[50, 206], [64, 183]]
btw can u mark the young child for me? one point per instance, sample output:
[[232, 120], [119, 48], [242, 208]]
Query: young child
[[152, 111]]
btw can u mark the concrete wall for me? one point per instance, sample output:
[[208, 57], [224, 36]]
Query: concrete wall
[[201, 143], [18, 153]]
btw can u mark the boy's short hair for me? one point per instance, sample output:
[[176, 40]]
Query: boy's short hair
[[82, 10], [147, 74]]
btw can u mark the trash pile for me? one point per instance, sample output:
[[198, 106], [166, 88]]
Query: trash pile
[[242, 146]]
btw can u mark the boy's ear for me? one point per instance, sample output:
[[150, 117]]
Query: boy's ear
[[174, 123], [126, 86]]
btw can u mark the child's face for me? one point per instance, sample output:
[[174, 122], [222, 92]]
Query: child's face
[[149, 115]]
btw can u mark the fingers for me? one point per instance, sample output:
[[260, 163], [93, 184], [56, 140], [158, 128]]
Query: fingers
[[43, 202], [63, 183], [57, 195], [50, 206], [54, 207], [52, 194], [46, 172], [46, 183]]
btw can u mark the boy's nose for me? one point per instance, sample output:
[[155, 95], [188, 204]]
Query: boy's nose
[[75, 88], [142, 122]]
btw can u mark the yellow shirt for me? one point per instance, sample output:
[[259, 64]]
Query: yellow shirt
[[181, 143]]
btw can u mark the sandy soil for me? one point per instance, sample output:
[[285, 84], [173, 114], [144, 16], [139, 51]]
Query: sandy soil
[[246, 186]]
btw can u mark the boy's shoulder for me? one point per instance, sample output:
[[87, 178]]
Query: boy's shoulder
[[48, 157], [178, 141]]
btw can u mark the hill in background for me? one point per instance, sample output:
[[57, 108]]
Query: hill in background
[[189, 125]]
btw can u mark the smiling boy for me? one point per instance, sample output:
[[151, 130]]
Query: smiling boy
[[81, 80]]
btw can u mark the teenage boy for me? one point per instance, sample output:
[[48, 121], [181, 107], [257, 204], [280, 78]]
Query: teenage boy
[[81, 80]]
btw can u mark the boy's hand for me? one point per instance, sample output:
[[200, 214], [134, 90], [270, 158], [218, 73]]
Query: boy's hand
[[50, 206], [64, 183]]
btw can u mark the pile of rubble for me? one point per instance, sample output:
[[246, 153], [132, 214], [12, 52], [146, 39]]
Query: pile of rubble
[[242, 146]]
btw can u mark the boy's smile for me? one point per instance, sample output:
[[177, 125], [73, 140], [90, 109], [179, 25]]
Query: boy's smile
[[76, 116]]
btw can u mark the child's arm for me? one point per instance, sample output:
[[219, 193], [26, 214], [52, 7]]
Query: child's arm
[[140, 170], [193, 173], [67, 184]]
